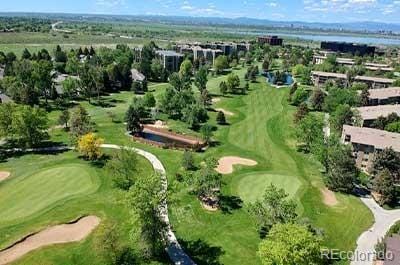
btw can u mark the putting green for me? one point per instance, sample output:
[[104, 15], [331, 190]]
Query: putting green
[[28, 194], [251, 187]]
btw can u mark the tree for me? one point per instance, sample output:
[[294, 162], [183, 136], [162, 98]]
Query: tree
[[188, 160], [221, 63], [206, 132], [384, 186], [387, 159], [149, 100], [63, 119], [108, 243], [342, 173], [29, 126], [145, 198], [342, 115], [43, 78], [309, 132], [207, 183], [134, 115], [221, 120], [300, 96], [70, 87], [26, 54], [290, 244], [195, 114], [364, 97], [301, 112], [186, 70], [80, 123], [393, 127], [233, 82], [223, 88], [274, 208], [89, 145], [201, 79], [317, 99], [123, 167]]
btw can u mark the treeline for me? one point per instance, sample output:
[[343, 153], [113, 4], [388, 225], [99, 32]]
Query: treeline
[[20, 24]]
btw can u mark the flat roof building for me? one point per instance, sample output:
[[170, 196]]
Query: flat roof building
[[320, 78], [170, 60], [372, 113], [344, 47], [271, 40], [384, 96], [366, 142], [319, 59]]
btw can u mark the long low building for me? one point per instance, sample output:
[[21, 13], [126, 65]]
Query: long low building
[[320, 78], [371, 113], [366, 142], [319, 59], [384, 96]]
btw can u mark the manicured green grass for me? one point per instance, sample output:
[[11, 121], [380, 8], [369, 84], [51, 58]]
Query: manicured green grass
[[50, 189], [252, 186], [262, 129], [29, 194]]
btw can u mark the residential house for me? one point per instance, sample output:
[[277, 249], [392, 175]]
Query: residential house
[[366, 142]]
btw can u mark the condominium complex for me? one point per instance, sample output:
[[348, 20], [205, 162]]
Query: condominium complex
[[170, 60], [384, 96], [371, 113], [319, 59], [366, 142], [320, 78], [343, 47], [271, 40]]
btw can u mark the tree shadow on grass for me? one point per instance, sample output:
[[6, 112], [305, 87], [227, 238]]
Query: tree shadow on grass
[[201, 252], [230, 203]]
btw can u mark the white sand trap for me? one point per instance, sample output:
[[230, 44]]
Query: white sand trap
[[329, 197], [4, 175], [159, 124], [228, 113], [225, 164], [59, 234], [215, 100]]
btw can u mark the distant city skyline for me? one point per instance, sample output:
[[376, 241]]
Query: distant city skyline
[[282, 10]]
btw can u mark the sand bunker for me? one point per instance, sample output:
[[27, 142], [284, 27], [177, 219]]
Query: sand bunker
[[4, 175], [159, 124], [329, 197], [59, 234], [215, 100], [228, 113], [225, 164]]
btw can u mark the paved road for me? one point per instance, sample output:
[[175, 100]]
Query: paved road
[[384, 219], [174, 249]]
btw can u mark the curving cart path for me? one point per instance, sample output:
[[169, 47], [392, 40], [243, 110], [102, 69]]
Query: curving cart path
[[174, 249], [384, 220]]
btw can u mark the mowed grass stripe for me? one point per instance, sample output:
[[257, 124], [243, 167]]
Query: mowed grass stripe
[[28, 195]]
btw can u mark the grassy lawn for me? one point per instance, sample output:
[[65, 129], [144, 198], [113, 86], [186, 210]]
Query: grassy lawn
[[49, 189], [260, 129]]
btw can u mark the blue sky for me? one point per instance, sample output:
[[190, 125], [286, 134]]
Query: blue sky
[[303, 10]]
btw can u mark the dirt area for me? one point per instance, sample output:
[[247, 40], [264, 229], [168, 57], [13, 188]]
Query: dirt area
[[329, 197], [4, 175], [225, 164], [59, 234], [228, 113]]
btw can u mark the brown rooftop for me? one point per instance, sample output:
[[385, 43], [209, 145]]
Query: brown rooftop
[[373, 137], [384, 93], [373, 112], [329, 74], [357, 78]]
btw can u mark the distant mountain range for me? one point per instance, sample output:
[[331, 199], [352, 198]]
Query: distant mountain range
[[367, 26]]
